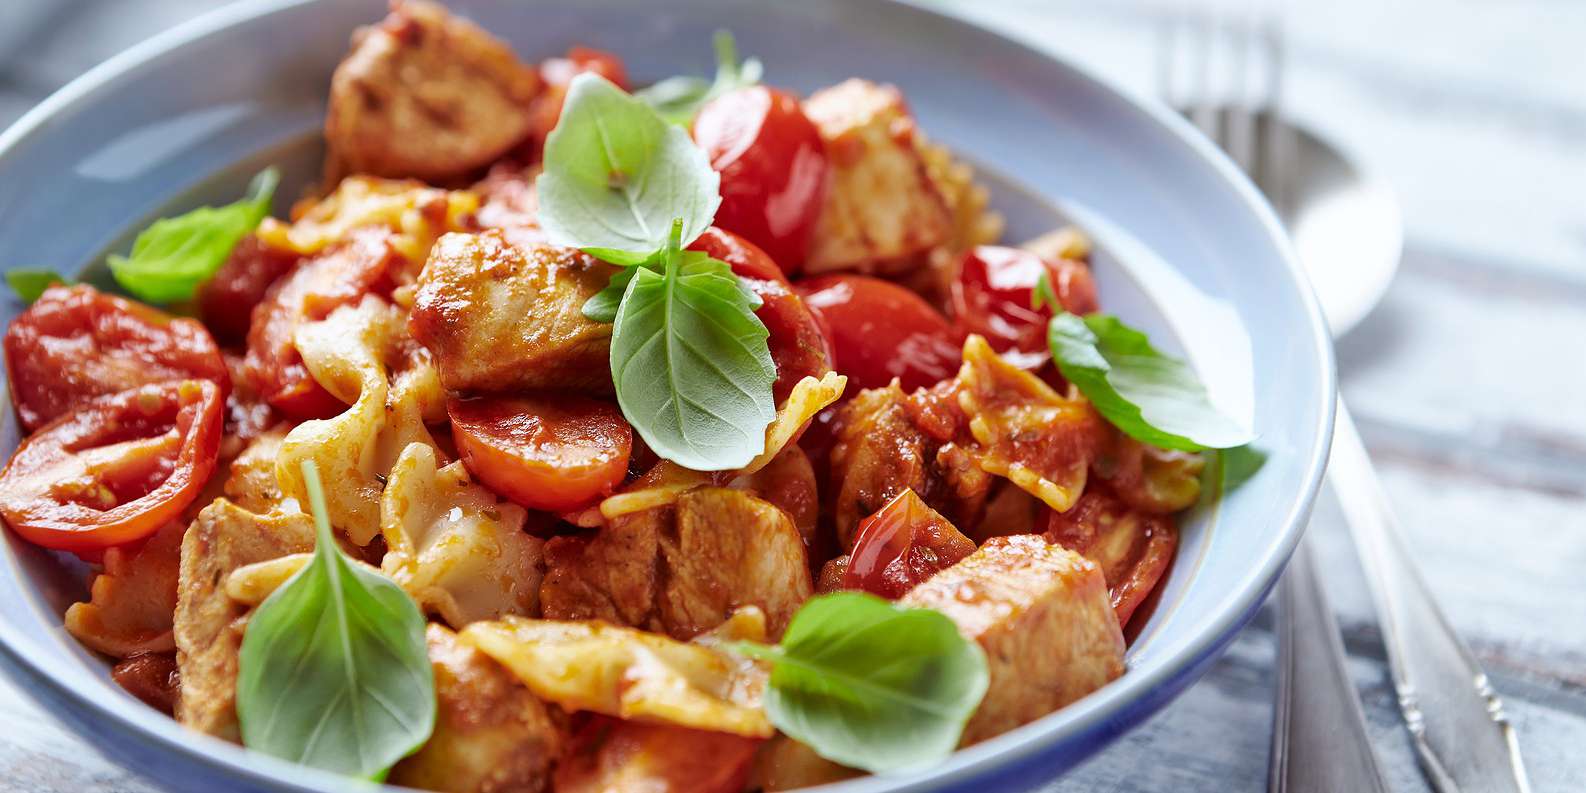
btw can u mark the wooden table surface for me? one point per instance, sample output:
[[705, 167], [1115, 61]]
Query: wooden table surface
[[1469, 381]]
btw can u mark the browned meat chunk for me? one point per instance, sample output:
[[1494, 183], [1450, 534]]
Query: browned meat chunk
[[1042, 615], [612, 756], [882, 210], [428, 95], [491, 735], [879, 453], [681, 570], [497, 317], [209, 625]]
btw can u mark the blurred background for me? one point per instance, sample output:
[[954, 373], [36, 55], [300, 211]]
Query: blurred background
[[1469, 380]]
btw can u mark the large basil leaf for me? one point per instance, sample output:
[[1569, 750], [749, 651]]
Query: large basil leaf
[[334, 672], [616, 175], [873, 685], [1149, 396], [691, 364], [172, 257], [678, 99]]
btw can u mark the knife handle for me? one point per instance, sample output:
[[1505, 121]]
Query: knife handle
[[1319, 740], [1462, 736]]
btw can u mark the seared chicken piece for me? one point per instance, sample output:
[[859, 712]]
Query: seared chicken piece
[[428, 95], [208, 623], [498, 317], [612, 756], [1042, 615], [251, 483], [882, 210], [879, 453], [681, 570], [491, 734]]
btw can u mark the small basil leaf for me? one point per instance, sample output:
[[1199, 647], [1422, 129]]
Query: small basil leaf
[[334, 672], [616, 174], [871, 684], [1147, 395], [690, 362], [603, 306], [678, 99], [172, 257], [29, 284], [619, 257]]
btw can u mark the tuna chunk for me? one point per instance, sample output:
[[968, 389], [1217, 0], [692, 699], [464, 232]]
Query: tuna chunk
[[882, 211], [491, 734], [499, 317], [1042, 615]]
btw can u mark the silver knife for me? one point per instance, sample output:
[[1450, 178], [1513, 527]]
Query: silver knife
[[1465, 741], [1319, 739]]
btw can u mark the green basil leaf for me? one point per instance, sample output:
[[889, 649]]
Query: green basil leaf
[[334, 672], [871, 684], [603, 306], [678, 99], [691, 363], [172, 257], [616, 175], [29, 284], [1149, 396]]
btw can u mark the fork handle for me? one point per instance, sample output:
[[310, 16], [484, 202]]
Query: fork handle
[[1319, 740], [1462, 736]]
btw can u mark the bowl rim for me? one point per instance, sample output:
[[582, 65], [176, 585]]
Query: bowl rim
[[1117, 704]]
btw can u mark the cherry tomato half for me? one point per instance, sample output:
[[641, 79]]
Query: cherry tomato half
[[75, 344], [554, 454], [902, 544], [879, 330], [557, 73], [115, 470], [318, 286], [798, 347], [1133, 549], [226, 301], [991, 295], [773, 169]]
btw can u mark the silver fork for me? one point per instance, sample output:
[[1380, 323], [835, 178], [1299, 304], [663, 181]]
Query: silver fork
[[1462, 737], [1319, 739]]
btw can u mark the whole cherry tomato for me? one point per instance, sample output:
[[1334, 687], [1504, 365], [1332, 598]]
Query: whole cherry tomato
[[555, 454], [557, 73], [902, 544], [991, 295], [226, 301], [879, 330], [75, 344], [337, 277], [116, 469], [1132, 548], [773, 169], [798, 347]]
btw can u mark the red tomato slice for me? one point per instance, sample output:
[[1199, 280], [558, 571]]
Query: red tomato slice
[[773, 169], [115, 470], [798, 347], [991, 295], [76, 344], [902, 544], [554, 454], [318, 286], [1132, 548], [879, 330], [557, 73], [227, 300]]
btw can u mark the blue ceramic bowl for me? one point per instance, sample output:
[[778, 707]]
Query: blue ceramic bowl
[[1187, 250]]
